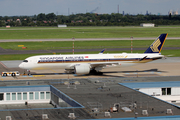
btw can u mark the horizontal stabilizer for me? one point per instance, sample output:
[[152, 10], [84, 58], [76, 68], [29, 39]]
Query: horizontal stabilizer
[[143, 58]]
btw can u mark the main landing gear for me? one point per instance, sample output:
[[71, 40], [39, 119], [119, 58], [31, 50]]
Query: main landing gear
[[94, 72]]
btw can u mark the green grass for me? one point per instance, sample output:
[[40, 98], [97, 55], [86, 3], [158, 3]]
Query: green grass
[[85, 32], [84, 44]]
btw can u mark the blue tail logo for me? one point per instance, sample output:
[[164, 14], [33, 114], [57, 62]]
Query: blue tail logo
[[157, 45]]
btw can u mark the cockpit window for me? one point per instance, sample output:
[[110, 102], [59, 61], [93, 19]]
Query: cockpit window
[[25, 60]]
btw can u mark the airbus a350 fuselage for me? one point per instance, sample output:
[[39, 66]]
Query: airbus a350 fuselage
[[83, 63]]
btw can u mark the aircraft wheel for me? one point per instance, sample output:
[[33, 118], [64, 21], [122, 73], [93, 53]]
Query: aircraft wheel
[[13, 74], [4, 74]]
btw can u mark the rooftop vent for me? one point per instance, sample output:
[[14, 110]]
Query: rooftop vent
[[71, 116], [8, 118], [44, 116], [107, 114]]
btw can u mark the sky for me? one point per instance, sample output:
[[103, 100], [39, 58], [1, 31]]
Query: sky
[[67, 7]]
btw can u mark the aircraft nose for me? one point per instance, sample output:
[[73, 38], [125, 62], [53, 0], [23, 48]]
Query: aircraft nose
[[21, 66]]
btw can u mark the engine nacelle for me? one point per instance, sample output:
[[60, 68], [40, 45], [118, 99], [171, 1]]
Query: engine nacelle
[[82, 69]]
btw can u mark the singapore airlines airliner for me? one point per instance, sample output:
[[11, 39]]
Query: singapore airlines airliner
[[83, 63]]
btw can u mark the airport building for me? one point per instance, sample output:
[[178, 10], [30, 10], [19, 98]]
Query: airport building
[[24, 94], [91, 98], [44, 94], [168, 91], [147, 25]]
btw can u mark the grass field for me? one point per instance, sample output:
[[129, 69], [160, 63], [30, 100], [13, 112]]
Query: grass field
[[85, 32], [85, 44]]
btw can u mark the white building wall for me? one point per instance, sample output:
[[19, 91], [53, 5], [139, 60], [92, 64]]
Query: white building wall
[[62, 25], [157, 92], [175, 91], [22, 101], [169, 98], [147, 25], [151, 91]]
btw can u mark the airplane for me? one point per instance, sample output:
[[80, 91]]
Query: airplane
[[81, 64]]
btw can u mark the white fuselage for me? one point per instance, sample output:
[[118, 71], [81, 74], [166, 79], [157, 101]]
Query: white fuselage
[[68, 61]]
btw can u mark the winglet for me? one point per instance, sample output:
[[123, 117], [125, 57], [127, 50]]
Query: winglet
[[157, 45], [102, 51]]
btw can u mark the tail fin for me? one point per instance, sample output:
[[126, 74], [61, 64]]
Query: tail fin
[[157, 45]]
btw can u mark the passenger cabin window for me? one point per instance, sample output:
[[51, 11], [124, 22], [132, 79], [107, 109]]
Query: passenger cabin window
[[25, 60]]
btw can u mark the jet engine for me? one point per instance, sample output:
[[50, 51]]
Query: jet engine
[[81, 69]]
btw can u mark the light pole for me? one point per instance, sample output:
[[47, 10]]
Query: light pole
[[73, 45], [131, 44]]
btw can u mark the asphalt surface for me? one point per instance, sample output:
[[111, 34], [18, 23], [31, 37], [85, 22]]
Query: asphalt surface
[[163, 67]]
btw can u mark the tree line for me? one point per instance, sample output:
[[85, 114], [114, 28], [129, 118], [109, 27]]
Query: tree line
[[89, 19]]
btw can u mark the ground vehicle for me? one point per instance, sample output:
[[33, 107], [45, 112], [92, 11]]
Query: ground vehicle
[[10, 73]]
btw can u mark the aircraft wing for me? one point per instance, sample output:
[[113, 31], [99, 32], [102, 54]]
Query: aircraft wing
[[100, 66], [104, 64]]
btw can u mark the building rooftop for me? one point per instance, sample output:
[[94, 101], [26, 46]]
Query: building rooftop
[[93, 94], [152, 84]]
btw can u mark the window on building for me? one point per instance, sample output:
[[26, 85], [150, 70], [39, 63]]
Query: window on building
[[42, 95], [13, 96], [19, 96], [24, 96], [1, 96], [47, 95], [163, 91], [36, 95], [31, 97], [168, 91], [7, 96]]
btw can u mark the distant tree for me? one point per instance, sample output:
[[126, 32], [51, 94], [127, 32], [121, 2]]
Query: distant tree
[[24, 23], [1, 23], [169, 16], [12, 23], [17, 23], [89, 19], [41, 17], [50, 16]]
